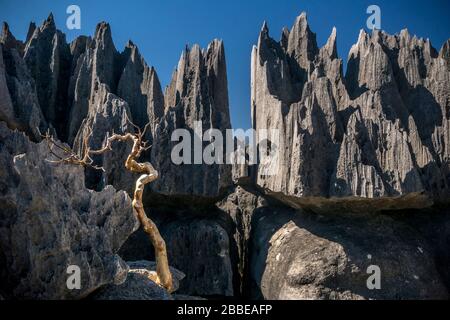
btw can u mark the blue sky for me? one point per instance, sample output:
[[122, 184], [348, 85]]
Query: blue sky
[[161, 29]]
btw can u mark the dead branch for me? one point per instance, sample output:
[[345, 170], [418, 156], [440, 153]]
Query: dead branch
[[163, 275]]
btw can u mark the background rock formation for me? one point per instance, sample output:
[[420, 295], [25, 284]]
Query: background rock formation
[[198, 92], [380, 131], [298, 255], [49, 220]]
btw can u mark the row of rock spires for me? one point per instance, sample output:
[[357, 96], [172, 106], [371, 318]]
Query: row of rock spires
[[381, 130], [244, 242], [88, 85]]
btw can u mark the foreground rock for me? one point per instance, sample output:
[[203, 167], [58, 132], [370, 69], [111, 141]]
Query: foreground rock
[[199, 245], [198, 92], [138, 285], [295, 255], [49, 220]]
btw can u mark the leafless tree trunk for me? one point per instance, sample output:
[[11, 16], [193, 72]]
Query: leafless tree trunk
[[63, 154]]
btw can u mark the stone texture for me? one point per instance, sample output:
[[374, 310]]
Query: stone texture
[[199, 92], [295, 255], [200, 248], [380, 131], [107, 115], [49, 221], [19, 105], [197, 244], [48, 58], [241, 205], [138, 286], [140, 87]]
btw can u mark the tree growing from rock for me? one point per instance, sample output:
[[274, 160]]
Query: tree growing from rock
[[65, 155]]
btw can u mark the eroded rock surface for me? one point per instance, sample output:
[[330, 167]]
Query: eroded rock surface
[[380, 131], [295, 255], [198, 92], [138, 285], [49, 220]]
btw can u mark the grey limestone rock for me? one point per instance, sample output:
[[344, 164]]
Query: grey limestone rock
[[49, 220], [199, 92], [380, 131]]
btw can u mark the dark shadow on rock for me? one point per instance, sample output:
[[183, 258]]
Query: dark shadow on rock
[[405, 257]]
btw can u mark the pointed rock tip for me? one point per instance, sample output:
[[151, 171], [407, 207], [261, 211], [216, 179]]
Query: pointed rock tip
[[215, 44], [102, 28], [130, 44], [333, 32], [265, 27], [362, 35], [302, 18], [103, 25]]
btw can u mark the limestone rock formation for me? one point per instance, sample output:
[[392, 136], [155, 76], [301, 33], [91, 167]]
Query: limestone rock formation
[[380, 131], [19, 105], [48, 58], [198, 92], [49, 220], [241, 205], [140, 87], [108, 114], [198, 244], [210, 273], [138, 286], [296, 255]]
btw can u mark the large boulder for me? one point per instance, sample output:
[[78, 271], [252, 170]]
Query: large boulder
[[49, 221], [48, 59], [296, 255], [198, 92]]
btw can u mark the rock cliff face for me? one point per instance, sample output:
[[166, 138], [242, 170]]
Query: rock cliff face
[[374, 139], [298, 255], [380, 131], [19, 104], [48, 58], [198, 92], [49, 221]]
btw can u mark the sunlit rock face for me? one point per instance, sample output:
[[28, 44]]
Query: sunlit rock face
[[380, 131], [198, 93]]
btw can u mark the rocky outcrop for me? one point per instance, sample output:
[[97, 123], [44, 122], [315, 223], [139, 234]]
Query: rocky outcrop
[[382, 131], [19, 105], [198, 242], [140, 87], [108, 115], [138, 285], [241, 205], [49, 221], [65, 87], [48, 59], [198, 92], [296, 255], [211, 272]]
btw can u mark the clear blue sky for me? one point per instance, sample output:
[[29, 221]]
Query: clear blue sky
[[161, 29]]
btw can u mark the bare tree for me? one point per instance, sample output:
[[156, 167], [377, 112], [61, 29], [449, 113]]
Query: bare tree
[[65, 155]]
